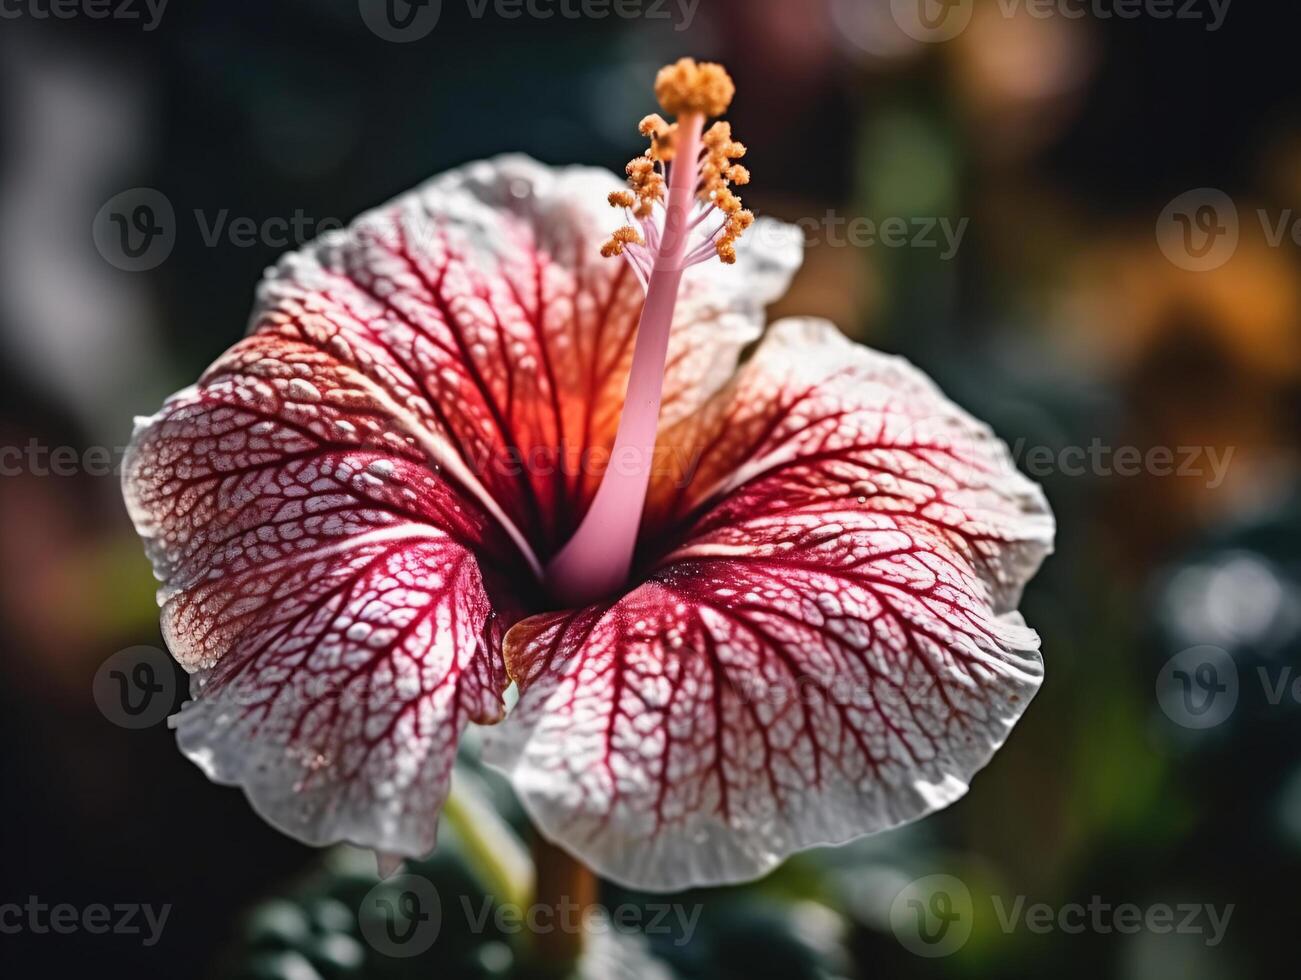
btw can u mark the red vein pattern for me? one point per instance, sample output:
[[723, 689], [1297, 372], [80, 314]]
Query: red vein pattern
[[830, 650], [345, 510]]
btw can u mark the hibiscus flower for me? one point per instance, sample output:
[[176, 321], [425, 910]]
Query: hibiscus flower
[[751, 599]]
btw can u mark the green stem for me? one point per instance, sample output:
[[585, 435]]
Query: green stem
[[492, 847]]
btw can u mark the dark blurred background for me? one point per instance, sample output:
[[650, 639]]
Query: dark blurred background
[[1120, 282]]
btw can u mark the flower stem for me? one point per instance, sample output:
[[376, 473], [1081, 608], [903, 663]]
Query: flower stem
[[491, 847], [566, 888], [598, 558]]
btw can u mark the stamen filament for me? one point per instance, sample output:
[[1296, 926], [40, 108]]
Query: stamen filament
[[708, 247], [701, 217]]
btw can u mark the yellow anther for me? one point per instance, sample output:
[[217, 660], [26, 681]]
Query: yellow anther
[[720, 132], [740, 221], [718, 138], [664, 147], [718, 170], [696, 89], [647, 185], [652, 125], [726, 201], [737, 222], [627, 235], [662, 136]]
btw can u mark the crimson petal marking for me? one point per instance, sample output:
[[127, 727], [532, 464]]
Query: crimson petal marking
[[341, 714], [815, 662], [501, 323], [728, 713], [324, 586], [818, 424]]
